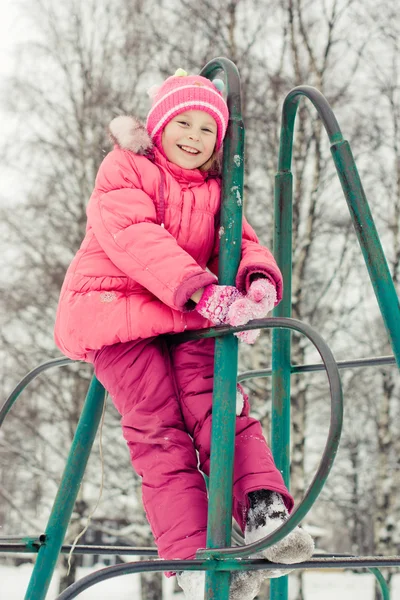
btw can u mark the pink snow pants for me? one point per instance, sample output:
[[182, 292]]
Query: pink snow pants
[[164, 395]]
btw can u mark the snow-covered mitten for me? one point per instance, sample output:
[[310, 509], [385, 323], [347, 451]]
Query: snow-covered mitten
[[263, 292], [267, 512], [256, 304], [215, 302]]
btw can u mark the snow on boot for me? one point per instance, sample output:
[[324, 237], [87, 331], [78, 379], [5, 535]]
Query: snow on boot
[[245, 585], [268, 512], [192, 583]]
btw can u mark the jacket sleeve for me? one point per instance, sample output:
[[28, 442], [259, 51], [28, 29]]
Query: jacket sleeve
[[124, 221], [255, 260]]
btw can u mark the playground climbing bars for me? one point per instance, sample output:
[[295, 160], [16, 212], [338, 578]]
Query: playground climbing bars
[[219, 559]]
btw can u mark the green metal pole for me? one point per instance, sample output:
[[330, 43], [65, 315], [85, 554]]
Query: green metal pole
[[370, 244], [67, 492], [225, 367], [281, 340]]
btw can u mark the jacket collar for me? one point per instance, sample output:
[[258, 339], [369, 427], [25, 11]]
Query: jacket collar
[[190, 176]]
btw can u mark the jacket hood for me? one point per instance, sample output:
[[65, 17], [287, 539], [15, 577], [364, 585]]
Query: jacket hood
[[130, 134]]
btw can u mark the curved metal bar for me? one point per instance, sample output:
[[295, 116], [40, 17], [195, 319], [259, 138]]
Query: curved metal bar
[[333, 437], [342, 364], [225, 565], [289, 111], [230, 70], [55, 362], [34, 547], [360, 213], [330, 447]]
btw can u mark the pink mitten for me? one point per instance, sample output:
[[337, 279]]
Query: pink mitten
[[215, 302], [249, 336], [263, 293], [258, 302]]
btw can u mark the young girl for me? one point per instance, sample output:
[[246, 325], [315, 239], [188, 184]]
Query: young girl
[[148, 266]]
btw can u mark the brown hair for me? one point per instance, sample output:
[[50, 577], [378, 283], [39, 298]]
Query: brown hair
[[214, 163]]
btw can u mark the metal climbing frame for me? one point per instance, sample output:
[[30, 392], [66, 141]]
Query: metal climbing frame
[[219, 559]]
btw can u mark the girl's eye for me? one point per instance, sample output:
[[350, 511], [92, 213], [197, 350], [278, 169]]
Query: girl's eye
[[208, 130], [183, 123]]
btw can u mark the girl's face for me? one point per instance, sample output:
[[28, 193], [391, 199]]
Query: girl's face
[[189, 139]]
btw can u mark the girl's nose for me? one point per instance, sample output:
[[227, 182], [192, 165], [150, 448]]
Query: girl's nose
[[193, 135]]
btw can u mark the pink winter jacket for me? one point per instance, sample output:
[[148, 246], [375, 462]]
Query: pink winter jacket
[[151, 241]]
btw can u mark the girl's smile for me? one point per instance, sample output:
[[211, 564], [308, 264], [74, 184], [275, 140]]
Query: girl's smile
[[188, 149]]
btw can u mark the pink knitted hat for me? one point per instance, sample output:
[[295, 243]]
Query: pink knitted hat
[[183, 92]]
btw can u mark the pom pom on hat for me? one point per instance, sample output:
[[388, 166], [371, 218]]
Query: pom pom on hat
[[219, 84], [182, 92], [153, 91]]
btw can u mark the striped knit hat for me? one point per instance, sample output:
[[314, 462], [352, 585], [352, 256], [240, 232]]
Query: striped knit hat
[[183, 92]]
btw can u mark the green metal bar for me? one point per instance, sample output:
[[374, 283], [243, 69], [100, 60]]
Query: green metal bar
[[382, 582], [67, 492], [215, 565], [357, 363], [281, 342], [8, 404], [371, 248], [281, 368], [226, 348]]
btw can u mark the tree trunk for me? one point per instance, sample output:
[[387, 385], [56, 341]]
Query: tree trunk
[[67, 576], [385, 522]]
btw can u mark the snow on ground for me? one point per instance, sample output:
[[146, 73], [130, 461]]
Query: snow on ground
[[326, 585]]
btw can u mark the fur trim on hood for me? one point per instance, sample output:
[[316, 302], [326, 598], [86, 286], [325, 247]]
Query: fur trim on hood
[[130, 134]]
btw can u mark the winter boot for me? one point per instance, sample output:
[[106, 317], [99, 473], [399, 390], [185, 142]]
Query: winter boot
[[268, 512], [192, 583], [245, 585]]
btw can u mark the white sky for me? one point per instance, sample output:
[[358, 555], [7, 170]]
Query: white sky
[[13, 29]]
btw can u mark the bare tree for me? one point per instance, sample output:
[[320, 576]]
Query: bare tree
[[384, 167], [89, 62]]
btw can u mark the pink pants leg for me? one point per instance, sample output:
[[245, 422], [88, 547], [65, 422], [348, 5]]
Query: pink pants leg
[[254, 466], [164, 395], [138, 377]]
